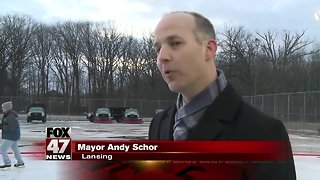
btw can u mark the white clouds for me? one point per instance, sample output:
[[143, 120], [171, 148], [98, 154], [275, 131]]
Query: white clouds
[[93, 10], [130, 16], [142, 15], [138, 28]]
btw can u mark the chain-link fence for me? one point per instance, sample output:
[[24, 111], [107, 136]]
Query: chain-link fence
[[69, 106], [289, 107], [299, 111]]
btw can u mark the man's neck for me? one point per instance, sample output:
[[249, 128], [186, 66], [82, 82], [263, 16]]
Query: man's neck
[[197, 88]]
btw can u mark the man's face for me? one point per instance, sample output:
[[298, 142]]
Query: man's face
[[180, 57]]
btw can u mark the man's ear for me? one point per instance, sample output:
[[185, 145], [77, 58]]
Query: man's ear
[[211, 49]]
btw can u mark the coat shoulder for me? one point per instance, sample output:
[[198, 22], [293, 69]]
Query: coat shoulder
[[260, 124], [155, 124]]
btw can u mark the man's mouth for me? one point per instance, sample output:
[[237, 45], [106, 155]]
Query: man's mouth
[[166, 72]]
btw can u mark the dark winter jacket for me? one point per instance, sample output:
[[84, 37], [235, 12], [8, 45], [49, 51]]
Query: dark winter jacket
[[10, 126], [230, 118]]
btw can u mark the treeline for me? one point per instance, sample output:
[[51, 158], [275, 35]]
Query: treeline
[[76, 59], [86, 59], [270, 62]]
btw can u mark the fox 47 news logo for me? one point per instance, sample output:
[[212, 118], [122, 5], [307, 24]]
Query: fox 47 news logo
[[58, 143]]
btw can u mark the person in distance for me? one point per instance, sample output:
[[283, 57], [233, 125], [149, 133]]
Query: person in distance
[[10, 136]]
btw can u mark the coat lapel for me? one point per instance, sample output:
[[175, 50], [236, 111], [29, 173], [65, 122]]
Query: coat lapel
[[222, 110], [166, 131]]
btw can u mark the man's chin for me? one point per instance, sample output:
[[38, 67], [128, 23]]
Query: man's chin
[[174, 88]]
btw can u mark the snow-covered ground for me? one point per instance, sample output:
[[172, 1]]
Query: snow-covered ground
[[307, 167]]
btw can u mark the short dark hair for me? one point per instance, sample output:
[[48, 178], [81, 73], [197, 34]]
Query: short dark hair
[[203, 25]]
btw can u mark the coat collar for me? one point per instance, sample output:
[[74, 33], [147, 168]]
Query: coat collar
[[223, 110], [166, 131]]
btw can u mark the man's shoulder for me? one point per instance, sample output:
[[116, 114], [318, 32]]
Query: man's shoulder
[[251, 111], [165, 113], [247, 112], [260, 121], [158, 122]]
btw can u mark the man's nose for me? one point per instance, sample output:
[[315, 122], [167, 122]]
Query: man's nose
[[164, 54]]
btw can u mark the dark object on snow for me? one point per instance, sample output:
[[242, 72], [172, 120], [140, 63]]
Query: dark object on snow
[[102, 115], [131, 116], [118, 112], [37, 111]]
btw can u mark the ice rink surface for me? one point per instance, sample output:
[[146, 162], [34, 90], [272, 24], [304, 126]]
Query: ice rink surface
[[307, 167]]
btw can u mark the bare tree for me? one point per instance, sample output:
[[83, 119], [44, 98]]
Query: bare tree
[[61, 66], [238, 54], [71, 34], [89, 38], [84, 59], [135, 66], [16, 45], [313, 66], [282, 55], [110, 42], [4, 55], [41, 53]]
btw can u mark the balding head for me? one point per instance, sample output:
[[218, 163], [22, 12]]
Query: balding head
[[203, 28], [185, 52]]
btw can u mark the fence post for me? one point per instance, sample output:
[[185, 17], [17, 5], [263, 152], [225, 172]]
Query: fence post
[[315, 114], [288, 113], [141, 106], [304, 107], [301, 116], [262, 103], [274, 106], [89, 104]]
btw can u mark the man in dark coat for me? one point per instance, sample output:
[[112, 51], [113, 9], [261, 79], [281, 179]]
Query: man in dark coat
[[208, 108], [10, 135]]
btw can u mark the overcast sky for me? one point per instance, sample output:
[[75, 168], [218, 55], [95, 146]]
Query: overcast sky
[[141, 16]]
